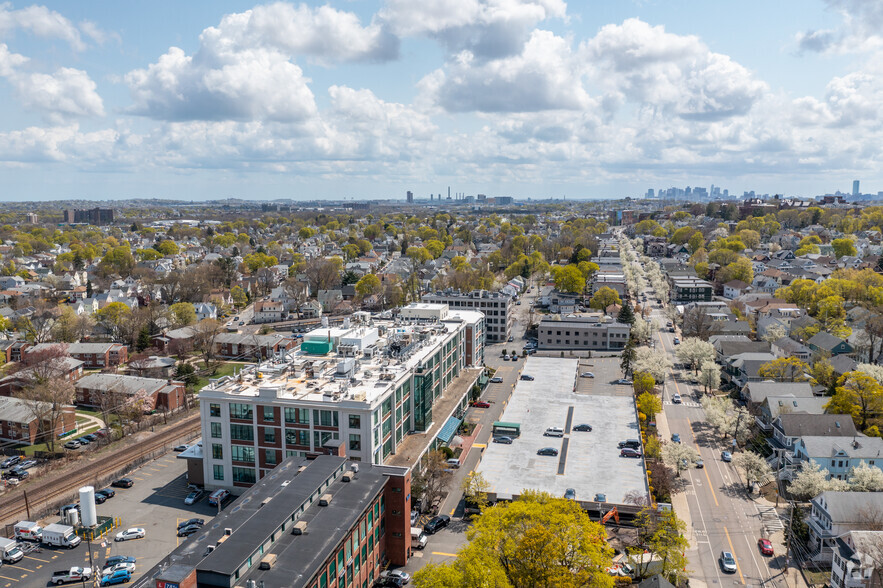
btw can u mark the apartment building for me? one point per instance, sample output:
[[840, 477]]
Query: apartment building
[[580, 333], [96, 390], [93, 355], [498, 309], [20, 420], [366, 385], [686, 289], [331, 523]]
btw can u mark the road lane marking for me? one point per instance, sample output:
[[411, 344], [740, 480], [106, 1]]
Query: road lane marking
[[444, 554], [480, 445], [711, 487], [452, 510], [733, 551]]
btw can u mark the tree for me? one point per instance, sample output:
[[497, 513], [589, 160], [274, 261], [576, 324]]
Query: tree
[[726, 418], [710, 376], [655, 363], [257, 260], [865, 478], [204, 334], [697, 323], [65, 327], [118, 260], [475, 490], [753, 466], [649, 405], [430, 478], [784, 369], [113, 316], [167, 247], [774, 333], [843, 247], [182, 314], [368, 285], [811, 480], [662, 534], [858, 395], [679, 456], [240, 299], [627, 357], [643, 382], [695, 352], [568, 278], [823, 375], [626, 314], [536, 540], [604, 297]]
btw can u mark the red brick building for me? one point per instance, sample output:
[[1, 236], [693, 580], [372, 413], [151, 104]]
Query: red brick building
[[152, 393], [19, 422], [93, 355]]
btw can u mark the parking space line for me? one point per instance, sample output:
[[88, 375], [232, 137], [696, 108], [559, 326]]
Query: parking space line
[[22, 568], [5, 578], [137, 478], [36, 558], [445, 554]]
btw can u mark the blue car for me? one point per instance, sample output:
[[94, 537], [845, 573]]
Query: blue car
[[117, 577]]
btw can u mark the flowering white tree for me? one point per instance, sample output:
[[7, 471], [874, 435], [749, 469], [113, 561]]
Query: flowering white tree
[[812, 480], [694, 351], [873, 370], [679, 456], [710, 376], [774, 333], [655, 363], [754, 467], [865, 478], [726, 418]]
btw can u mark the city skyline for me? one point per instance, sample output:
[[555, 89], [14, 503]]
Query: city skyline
[[369, 100]]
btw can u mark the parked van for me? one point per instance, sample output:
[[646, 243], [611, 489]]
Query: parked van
[[418, 538], [10, 552], [554, 432], [28, 530], [452, 463], [219, 497]]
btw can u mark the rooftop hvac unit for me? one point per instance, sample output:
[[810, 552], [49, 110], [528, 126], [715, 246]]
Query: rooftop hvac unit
[[299, 528], [268, 561], [355, 467], [325, 500], [347, 477], [228, 531]]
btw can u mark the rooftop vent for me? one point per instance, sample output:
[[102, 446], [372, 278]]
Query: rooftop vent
[[325, 500], [347, 477], [268, 561], [299, 528], [228, 531], [265, 501]]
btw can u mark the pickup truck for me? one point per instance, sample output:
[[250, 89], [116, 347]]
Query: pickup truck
[[75, 574]]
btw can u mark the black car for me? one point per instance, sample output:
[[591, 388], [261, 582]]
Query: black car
[[188, 530], [527, 377], [107, 493], [100, 498], [189, 522], [19, 473], [67, 507], [83, 440], [548, 451], [116, 559], [436, 523], [91, 437], [10, 461], [583, 427], [123, 483]]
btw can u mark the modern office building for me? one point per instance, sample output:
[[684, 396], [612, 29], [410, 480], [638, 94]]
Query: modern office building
[[498, 309], [316, 523], [855, 188], [580, 333], [366, 385], [409, 197]]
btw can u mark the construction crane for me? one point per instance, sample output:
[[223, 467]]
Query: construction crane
[[611, 513]]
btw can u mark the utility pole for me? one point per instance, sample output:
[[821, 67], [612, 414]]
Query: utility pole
[[788, 538]]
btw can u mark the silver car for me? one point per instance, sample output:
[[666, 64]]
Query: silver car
[[728, 562]]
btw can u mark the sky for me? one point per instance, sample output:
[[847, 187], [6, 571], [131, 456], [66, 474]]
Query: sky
[[365, 99]]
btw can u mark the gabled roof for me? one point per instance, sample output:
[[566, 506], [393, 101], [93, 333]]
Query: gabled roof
[[757, 392], [824, 340], [849, 507], [819, 425]]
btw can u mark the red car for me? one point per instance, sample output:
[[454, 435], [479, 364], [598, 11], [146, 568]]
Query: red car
[[766, 547], [481, 404]]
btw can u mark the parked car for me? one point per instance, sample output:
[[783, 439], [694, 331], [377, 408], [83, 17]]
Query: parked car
[[548, 451], [452, 463], [600, 497], [510, 339], [526, 378], [189, 522], [570, 494], [623, 382], [107, 493], [505, 358], [181, 448], [503, 439], [728, 562], [553, 432], [100, 498], [118, 577], [481, 404], [74, 574], [583, 427], [496, 380], [630, 443], [766, 547], [129, 534], [115, 559], [72, 444], [19, 473], [188, 530], [129, 566], [123, 483], [91, 437], [628, 452], [675, 438], [726, 456], [28, 464], [194, 497], [400, 574], [587, 375], [83, 440], [10, 461], [436, 523], [676, 398]]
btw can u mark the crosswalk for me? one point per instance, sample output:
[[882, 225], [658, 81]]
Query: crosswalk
[[770, 519], [687, 404]]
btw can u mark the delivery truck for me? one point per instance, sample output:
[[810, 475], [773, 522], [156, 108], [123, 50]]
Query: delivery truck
[[10, 552], [28, 530], [60, 536], [418, 538]]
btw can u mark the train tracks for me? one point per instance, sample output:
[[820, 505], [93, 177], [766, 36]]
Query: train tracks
[[94, 470]]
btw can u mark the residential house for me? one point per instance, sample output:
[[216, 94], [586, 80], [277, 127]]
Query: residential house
[[735, 288], [67, 367], [843, 364], [562, 302], [311, 309], [93, 355], [95, 390], [268, 311], [726, 346], [773, 406], [245, 347], [827, 344], [20, 420], [687, 289], [742, 368], [204, 310], [329, 299], [175, 341], [838, 455], [856, 560], [153, 367], [788, 347], [756, 392], [789, 427], [834, 514]]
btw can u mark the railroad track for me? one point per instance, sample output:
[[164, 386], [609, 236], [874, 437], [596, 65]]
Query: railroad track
[[89, 472]]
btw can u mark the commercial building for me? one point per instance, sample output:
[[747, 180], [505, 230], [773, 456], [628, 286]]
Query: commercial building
[[366, 385], [498, 309], [94, 216], [317, 523], [581, 333]]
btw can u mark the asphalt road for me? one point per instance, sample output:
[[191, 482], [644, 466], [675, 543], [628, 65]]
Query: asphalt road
[[724, 518]]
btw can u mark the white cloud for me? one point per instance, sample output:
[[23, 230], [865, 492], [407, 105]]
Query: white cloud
[[485, 28], [42, 22], [59, 144], [544, 76], [672, 73], [861, 29]]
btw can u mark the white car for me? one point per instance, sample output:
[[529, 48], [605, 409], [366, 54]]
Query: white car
[[676, 398], [405, 577], [133, 533], [587, 375], [193, 497], [125, 565]]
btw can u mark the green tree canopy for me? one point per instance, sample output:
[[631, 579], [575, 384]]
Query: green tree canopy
[[604, 297]]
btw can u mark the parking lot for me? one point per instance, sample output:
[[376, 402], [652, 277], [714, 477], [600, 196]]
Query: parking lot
[[155, 503]]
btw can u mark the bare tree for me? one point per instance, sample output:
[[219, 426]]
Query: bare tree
[[46, 402], [204, 334], [697, 323], [430, 478], [296, 291], [38, 326]]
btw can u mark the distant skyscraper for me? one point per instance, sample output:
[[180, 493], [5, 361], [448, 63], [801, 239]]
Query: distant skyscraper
[[650, 193], [855, 190], [410, 197]]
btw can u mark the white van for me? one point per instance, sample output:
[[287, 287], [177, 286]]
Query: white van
[[28, 530], [418, 538]]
